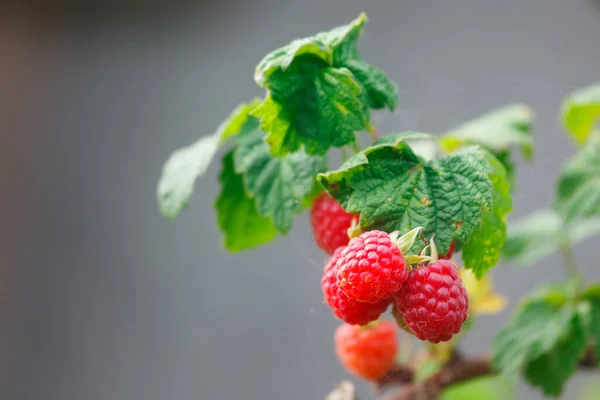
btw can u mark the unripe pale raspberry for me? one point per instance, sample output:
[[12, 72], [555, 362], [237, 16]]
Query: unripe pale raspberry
[[371, 268], [434, 302], [330, 223], [368, 352], [351, 311]]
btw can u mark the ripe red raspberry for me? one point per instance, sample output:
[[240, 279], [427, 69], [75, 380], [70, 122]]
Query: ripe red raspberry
[[434, 302], [350, 311], [371, 268], [330, 223], [367, 352]]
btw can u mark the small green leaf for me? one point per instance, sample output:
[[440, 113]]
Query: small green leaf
[[482, 251], [592, 295], [553, 368], [185, 165], [406, 241], [279, 184], [237, 217], [393, 189], [495, 131], [579, 184], [534, 330], [581, 112]]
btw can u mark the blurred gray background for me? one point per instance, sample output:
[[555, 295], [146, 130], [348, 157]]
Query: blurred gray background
[[104, 299]]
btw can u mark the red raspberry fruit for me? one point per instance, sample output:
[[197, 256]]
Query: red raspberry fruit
[[350, 311], [367, 352], [371, 268], [330, 223], [434, 302]]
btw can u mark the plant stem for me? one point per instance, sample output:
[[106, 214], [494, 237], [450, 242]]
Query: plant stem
[[570, 264], [373, 131]]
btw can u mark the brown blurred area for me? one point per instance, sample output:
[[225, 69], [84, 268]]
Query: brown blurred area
[[22, 64]]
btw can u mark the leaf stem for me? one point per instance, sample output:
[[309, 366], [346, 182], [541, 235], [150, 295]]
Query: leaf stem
[[355, 146], [373, 131]]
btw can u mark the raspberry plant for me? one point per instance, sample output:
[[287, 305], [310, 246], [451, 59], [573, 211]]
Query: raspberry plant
[[412, 222]]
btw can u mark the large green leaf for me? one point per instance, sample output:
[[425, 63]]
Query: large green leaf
[[237, 217], [394, 189], [579, 184], [541, 233], [553, 368], [581, 112], [320, 91], [279, 184], [534, 331], [482, 251], [495, 131], [185, 165]]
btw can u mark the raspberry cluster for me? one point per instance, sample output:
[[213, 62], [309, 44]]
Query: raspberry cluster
[[366, 274]]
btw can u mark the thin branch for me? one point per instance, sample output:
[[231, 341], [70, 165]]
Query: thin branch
[[454, 372], [400, 374]]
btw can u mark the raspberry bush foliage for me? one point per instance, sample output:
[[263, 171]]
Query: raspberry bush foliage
[[410, 223]]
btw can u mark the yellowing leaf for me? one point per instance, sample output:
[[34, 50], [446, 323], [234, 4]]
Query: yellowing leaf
[[482, 298]]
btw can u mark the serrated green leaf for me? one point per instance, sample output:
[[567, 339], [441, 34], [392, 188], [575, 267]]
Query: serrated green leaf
[[581, 112], [579, 184], [505, 158], [393, 189], [552, 369], [592, 295], [187, 164], [539, 235], [279, 184], [482, 251], [534, 330], [320, 91], [381, 91], [316, 114], [495, 131], [237, 217]]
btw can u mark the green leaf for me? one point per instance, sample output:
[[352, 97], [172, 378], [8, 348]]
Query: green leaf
[[592, 295], [579, 183], [536, 328], [393, 189], [483, 250], [237, 216], [553, 368], [540, 234], [381, 91], [279, 184], [185, 165], [320, 91], [319, 113], [495, 131], [581, 112]]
